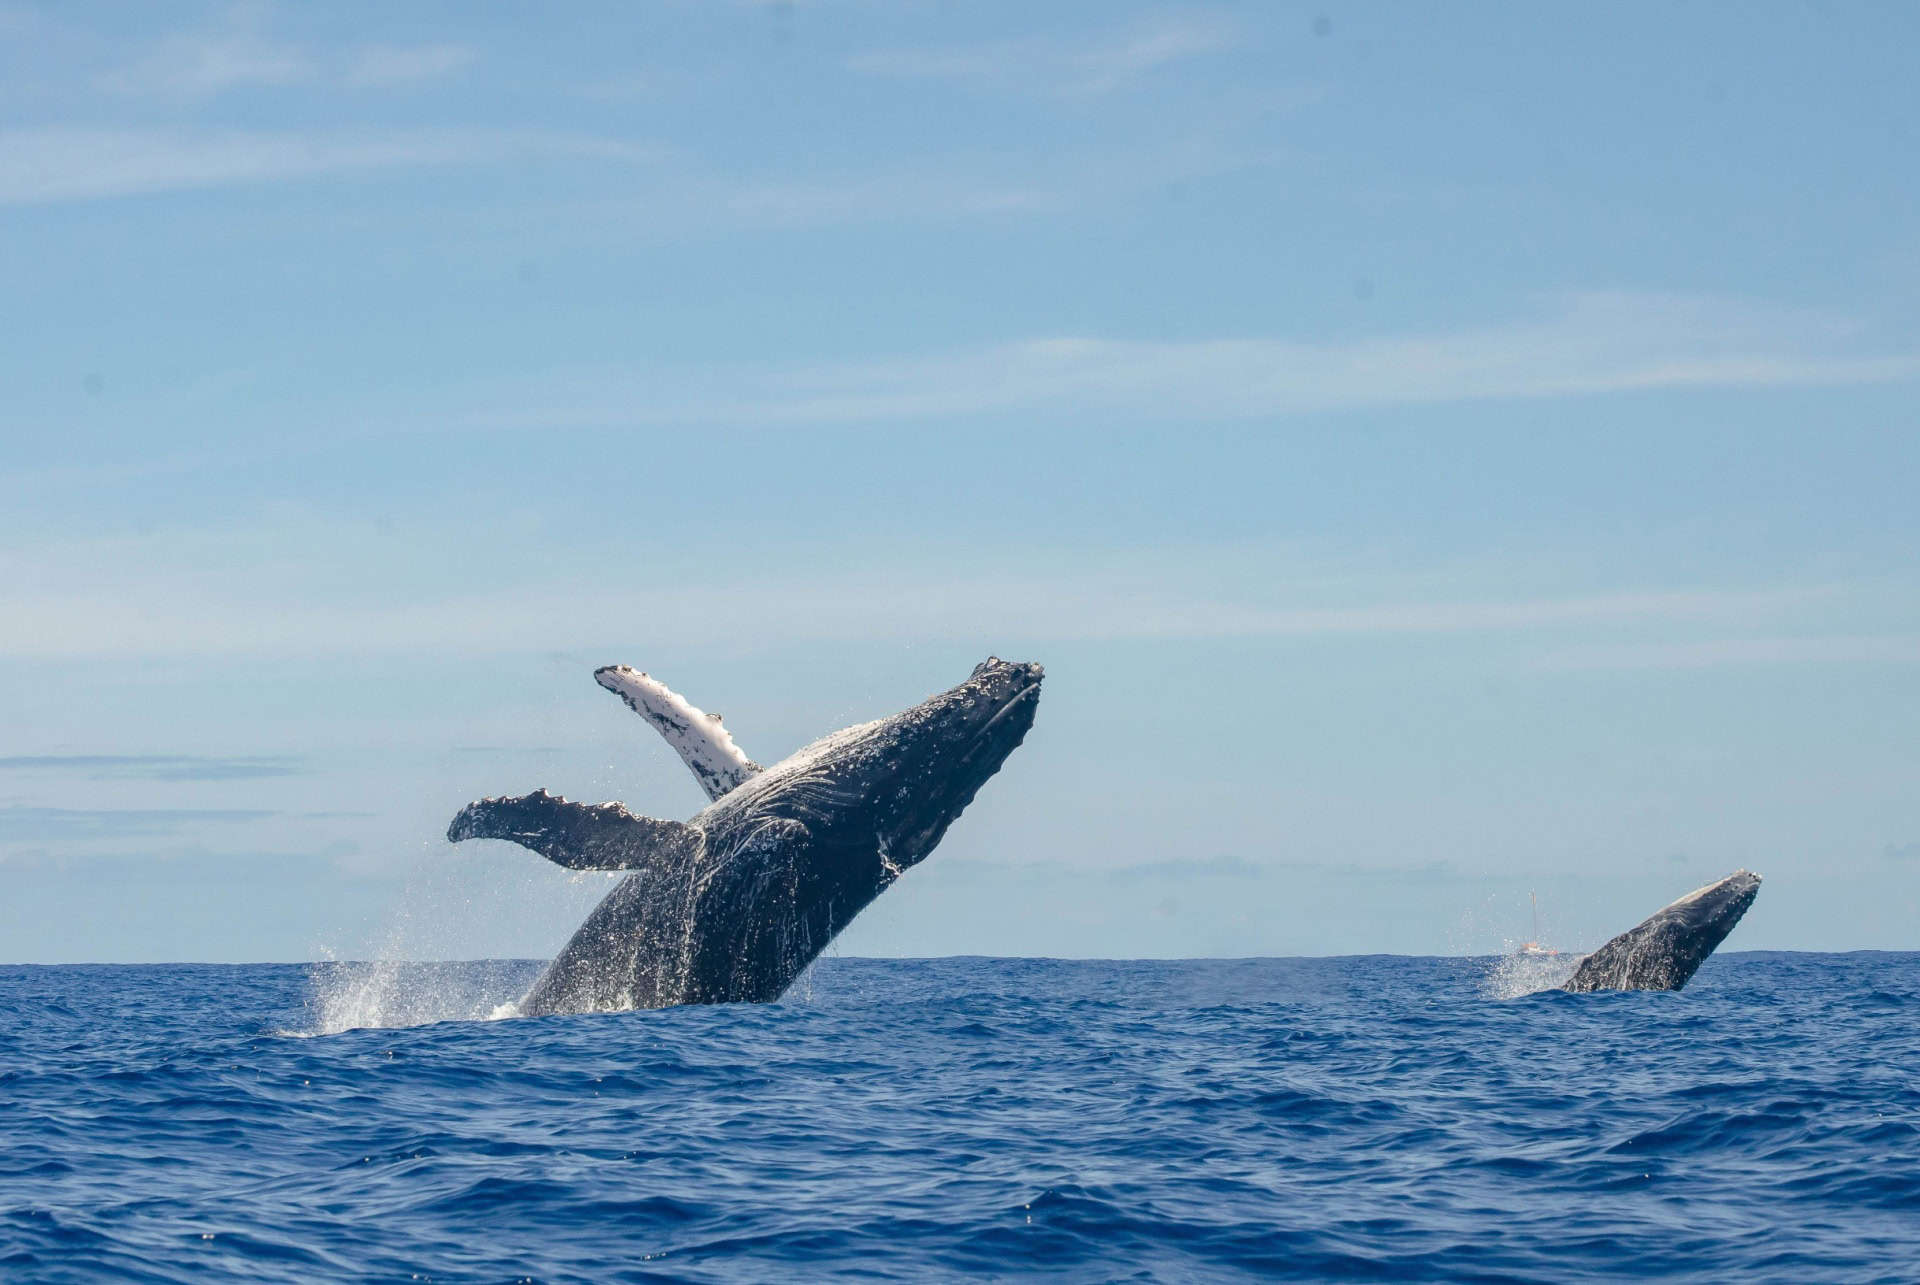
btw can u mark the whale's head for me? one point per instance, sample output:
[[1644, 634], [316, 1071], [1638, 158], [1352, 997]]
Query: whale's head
[[1664, 952], [875, 799], [1708, 914], [926, 763]]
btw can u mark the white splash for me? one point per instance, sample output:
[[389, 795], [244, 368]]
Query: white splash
[[452, 907], [356, 995], [1513, 967], [1523, 972]]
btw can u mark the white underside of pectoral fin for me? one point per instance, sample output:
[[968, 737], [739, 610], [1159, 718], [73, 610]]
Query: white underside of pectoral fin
[[695, 735]]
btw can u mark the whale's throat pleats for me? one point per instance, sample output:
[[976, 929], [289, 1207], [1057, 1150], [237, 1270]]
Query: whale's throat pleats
[[696, 735], [579, 836]]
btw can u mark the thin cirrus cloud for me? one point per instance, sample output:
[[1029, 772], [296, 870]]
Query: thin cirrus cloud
[[959, 186], [195, 66], [1717, 653], [392, 66], [241, 56], [66, 163], [872, 198], [1583, 345], [244, 616], [63, 824], [1071, 68], [153, 767]]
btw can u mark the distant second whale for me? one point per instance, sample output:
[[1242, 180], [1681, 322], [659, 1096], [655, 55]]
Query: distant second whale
[[1664, 952]]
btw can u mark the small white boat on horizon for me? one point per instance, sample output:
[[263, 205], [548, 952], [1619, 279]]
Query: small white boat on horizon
[[1534, 947]]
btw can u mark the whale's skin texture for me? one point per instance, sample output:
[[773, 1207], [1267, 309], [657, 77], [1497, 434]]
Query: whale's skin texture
[[733, 904], [1663, 953]]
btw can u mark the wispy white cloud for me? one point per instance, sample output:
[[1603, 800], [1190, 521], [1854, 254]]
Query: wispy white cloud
[[1117, 62], [1585, 345], [153, 767], [634, 88], [199, 65], [959, 186], [240, 53], [390, 66], [880, 197], [33, 823], [747, 615], [70, 163], [214, 592], [1717, 653], [1088, 66]]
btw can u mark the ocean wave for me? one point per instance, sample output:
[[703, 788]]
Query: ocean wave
[[1378, 1118]]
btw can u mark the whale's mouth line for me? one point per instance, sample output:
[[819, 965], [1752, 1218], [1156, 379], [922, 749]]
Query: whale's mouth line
[[1028, 695], [1031, 690]]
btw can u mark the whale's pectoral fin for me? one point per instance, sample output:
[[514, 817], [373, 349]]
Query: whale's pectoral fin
[[695, 734], [579, 836]]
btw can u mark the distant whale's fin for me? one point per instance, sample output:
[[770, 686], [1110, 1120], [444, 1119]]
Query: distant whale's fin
[[705, 745], [579, 836]]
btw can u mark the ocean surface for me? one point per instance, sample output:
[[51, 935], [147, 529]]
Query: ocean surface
[[1379, 1118]]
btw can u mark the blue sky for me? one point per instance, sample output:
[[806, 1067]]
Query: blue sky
[[1439, 453]]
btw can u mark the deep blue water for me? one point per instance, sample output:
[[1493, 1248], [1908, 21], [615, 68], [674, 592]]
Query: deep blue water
[[1376, 1118]]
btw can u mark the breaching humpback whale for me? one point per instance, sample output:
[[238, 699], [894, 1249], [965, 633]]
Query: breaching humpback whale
[[1663, 953], [732, 904]]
